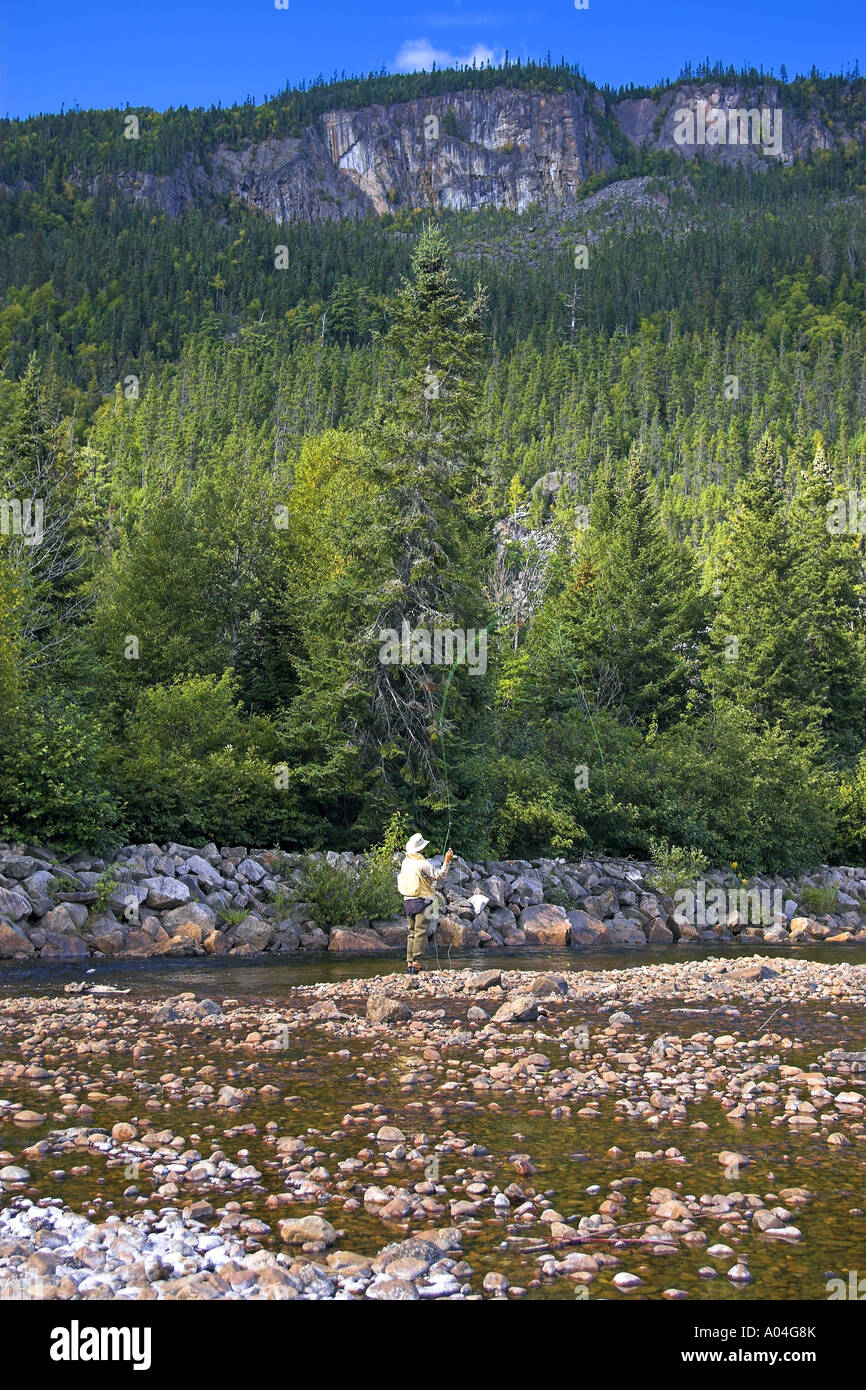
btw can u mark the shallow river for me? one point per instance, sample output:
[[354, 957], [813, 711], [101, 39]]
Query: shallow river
[[321, 1080], [270, 976]]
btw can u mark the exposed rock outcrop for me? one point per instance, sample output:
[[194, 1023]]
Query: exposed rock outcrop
[[467, 150]]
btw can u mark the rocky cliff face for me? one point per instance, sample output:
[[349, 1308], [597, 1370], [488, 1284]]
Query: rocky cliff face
[[470, 150]]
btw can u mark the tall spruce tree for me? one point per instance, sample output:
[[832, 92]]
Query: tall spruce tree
[[408, 542], [759, 633], [621, 633], [829, 591], [430, 526], [38, 471]]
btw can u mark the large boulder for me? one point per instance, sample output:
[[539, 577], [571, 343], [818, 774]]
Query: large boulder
[[106, 934], [495, 889], [19, 866], [142, 943], [285, 938], [191, 913], [78, 912], [215, 944], [573, 887], [61, 946], [625, 934], [547, 986], [13, 942], [110, 943], [516, 936], [393, 931], [312, 938], [520, 1008], [14, 904], [252, 931], [204, 872], [507, 868], [806, 927], [127, 898], [525, 891], [185, 937], [40, 902], [777, 936], [659, 933], [481, 980], [586, 930], [846, 900], [304, 1229], [165, 893], [545, 925], [361, 939], [66, 917], [685, 930], [603, 905], [185, 1008], [454, 933], [42, 882], [251, 871], [381, 1009]]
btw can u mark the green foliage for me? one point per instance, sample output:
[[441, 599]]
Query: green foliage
[[11, 647], [734, 791], [830, 592], [62, 883], [819, 900], [308, 394], [621, 631], [367, 890], [53, 783], [196, 766], [532, 814], [850, 841], [717, 783], [759, 633], [409, 549], [105, 886], [558, 897], [393, 842], [282, 901], [674, 866], [233, 916]]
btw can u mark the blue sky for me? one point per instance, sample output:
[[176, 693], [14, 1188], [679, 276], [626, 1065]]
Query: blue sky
[[160, 53]]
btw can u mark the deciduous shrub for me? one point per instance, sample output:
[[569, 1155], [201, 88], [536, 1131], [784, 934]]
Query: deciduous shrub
[[194, 766]]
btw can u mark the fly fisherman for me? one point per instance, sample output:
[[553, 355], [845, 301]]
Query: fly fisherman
[[416, 883]]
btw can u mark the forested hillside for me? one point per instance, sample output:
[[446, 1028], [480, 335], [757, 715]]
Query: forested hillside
[[626, 440]]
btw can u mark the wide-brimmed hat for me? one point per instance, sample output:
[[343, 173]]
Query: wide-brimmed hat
[[416, 844]]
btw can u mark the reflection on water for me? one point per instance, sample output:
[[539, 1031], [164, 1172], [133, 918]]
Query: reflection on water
[[251, 976]]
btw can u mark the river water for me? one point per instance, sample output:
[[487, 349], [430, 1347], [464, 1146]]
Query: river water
[[324, 1079], [269, 976]]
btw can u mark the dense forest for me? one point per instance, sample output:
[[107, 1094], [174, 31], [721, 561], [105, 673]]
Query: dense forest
[[222, 481], [86, 141]]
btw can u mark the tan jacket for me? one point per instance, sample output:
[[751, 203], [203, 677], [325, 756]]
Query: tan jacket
[[417, 877]]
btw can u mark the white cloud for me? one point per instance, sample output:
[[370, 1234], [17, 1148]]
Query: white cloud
[[415, 54]]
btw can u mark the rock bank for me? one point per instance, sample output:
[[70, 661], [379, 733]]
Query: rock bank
[[179, 900]]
